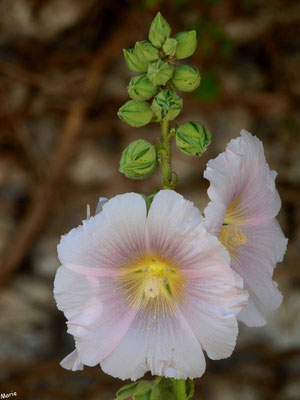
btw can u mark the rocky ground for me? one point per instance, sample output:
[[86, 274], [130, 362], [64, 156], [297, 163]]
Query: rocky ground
[[62, 80]]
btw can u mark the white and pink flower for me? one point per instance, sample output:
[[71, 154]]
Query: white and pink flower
[[241, 213], [147, 291]]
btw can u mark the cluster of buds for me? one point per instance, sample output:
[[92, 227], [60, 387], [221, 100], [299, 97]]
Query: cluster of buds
[[153, 91]]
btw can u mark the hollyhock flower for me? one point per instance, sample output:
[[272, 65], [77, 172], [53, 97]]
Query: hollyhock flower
[[147, 291], [242, 211]]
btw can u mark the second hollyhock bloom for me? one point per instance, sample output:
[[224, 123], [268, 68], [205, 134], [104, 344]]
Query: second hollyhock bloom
[[147, 291], [242, 211]]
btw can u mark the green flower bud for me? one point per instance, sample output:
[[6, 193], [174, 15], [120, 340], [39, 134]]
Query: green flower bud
[[135, 113], [138, 160], [133, 62], [160, 72], [167, 105], [186, 44], [141, 88], [145, 51], [192, 138], [186, 78], [159, 30], [169, 47]]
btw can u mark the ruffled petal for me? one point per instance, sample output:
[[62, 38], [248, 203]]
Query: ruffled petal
[[72, 362], [255, 262], [241, 185], [214, 299], [165, 345], [170, 217], [101, 202], [97, 311], [106, 241]]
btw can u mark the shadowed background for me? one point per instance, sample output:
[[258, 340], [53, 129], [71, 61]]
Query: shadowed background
[[62, 80]]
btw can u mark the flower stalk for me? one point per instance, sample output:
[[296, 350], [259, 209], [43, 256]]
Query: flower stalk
[[154, 99], [165, 154]]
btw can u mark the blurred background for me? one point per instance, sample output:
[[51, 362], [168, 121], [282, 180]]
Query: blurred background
[[62, 80]]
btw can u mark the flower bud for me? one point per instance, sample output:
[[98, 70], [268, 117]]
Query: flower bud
[[133, 62], [159, 30], [186, 78], [145, 51], [169, 47], [141, 88], [192, 138], [167, 105], [135, 113], [186, 44], [138, 160], [160, 72]]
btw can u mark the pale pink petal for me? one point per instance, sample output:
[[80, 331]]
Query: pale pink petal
[[255, 262], [88, 212], [109, 239], [129, 338], [214, 299], [164, 345], [101, 202], [97, 311], [170, 344], [72, 362], [170, 218], [241, 175]]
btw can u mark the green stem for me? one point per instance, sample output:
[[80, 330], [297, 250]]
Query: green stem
[[179, 389], [166, 156]]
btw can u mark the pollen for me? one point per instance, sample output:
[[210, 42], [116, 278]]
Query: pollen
[[232, 236], [152, 287], [157, 268], [153, 278], [156, 277]]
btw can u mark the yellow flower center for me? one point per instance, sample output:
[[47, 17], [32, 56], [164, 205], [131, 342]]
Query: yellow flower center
[[232, 236], [152, 278], [157, 277]]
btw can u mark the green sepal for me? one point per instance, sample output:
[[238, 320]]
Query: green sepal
[[138, 391], [190, 388], [169, 47], [159, 72], [186, 44], [141, 88], [192, 138], [165, 387], [133, 62], [126, 391], [138, 160], [136, 113], [145, 51], [159, 31], [155, 393], [148, 200], [186, 78], [167, 105], [175, 178]]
